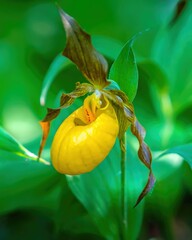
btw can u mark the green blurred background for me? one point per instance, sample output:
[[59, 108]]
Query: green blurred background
[[35, 201]]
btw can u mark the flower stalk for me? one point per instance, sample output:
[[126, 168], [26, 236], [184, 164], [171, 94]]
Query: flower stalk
[[124, 211]]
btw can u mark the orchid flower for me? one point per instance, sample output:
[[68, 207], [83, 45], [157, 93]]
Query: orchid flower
[[85, 138]]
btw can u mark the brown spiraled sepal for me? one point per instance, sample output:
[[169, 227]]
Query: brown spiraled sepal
[[79, 50], [144, 155], [149, 185]]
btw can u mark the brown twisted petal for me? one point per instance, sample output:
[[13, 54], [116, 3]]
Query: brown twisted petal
[[145, 156]]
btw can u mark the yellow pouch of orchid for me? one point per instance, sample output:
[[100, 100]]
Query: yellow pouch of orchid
[[85, 138]]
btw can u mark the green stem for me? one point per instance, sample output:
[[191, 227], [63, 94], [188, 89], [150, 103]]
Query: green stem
[[123, 188]]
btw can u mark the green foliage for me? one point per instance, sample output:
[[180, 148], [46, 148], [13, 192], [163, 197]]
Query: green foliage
[[8, 143], [124, 71], [27, 186], [87, 206]]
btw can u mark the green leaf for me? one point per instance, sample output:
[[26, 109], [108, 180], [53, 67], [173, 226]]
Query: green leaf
[[58, 64], [71, 214], [175, 40], [10, 144], [185, 151], [124, 71], [103, 184], [165, 199], [184, 99], [166, 165], [25, 184]]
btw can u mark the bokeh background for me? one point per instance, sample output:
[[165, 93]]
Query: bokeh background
[[35, 201]]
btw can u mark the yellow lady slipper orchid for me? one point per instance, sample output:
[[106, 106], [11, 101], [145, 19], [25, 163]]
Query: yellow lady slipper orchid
[[86, 137]]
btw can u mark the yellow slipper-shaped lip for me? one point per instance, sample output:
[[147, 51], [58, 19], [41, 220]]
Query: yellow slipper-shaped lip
[[85, 138]]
